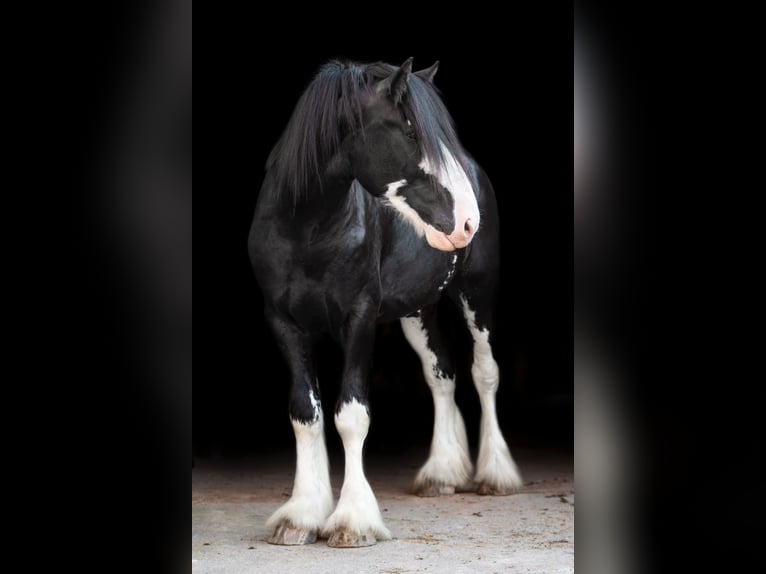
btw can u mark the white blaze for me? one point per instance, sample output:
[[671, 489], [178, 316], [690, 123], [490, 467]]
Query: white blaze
[[452, 176], [454, 179]]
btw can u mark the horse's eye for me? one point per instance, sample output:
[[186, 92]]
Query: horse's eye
[[409, 130]]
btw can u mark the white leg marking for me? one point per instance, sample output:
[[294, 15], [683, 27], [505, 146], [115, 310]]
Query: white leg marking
[[495, 466], [311, 500], [449, 463], [357, 508]]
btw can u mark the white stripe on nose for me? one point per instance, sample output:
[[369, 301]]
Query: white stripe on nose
[[452, 176]]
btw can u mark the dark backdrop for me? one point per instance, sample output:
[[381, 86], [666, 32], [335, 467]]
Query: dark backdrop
[[686, 312], [240, 392]]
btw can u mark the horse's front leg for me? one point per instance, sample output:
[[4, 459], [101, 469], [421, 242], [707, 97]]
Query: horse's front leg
[[299, 520], [356, 520], [449, 464]]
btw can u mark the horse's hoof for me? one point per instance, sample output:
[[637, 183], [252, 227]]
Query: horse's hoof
[[493, 490], [349, 539], [287, 535], [427, 490]]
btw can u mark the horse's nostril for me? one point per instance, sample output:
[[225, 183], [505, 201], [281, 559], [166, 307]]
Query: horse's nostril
[[468, 227]]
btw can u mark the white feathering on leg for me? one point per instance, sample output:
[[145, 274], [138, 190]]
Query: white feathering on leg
[[448, 463], [311, 500], [357, 508], [495, 465]]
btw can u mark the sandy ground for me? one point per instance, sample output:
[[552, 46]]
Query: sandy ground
[[530, 531]]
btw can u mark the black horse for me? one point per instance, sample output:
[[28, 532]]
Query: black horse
[[369, 211]]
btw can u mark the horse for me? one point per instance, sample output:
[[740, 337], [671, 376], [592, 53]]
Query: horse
[[370, 210]]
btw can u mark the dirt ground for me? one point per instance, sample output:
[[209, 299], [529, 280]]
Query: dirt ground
[[530, 531]]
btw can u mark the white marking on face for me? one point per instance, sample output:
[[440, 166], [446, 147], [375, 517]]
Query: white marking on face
[[399, 203], [452, 176], [357, 508], [466, 215]]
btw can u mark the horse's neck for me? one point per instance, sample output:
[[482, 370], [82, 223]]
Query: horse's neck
[[321, 217], [329, 194]]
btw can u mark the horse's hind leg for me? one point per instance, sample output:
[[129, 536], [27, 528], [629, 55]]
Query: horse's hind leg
[[299, 520], [449, 465], [496, 471]]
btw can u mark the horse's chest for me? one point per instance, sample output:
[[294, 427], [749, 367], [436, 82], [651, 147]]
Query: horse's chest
[[408, 286]]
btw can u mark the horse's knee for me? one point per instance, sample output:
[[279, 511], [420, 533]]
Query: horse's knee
[[485, 373], [352, 420]]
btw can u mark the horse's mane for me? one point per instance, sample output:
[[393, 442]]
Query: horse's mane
[[332, 104]]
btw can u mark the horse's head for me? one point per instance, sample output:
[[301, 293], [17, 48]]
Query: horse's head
[[407, 154]]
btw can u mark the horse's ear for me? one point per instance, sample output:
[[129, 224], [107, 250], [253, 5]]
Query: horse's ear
[[429, 73], [396, 84]]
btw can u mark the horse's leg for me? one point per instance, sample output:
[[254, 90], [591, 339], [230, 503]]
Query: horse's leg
[[449, 463], [299, 520], [356, 520], [496, 472]]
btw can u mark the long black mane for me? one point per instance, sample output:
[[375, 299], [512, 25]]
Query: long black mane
[[331, 106]]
